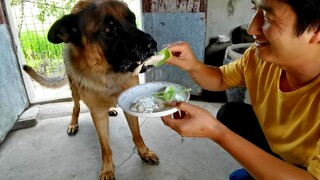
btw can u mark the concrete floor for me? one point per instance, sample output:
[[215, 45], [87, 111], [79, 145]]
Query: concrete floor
[[47, 152]]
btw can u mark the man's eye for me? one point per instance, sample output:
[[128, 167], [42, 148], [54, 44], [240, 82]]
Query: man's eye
[[268, 19]]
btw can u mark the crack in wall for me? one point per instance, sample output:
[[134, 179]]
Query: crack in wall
[[230, 7]]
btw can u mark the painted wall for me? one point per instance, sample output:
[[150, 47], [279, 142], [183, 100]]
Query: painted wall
[[225, 15], [13, 98], [175, 20], [194, 21]]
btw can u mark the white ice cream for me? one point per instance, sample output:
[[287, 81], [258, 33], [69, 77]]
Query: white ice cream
[[150, 61]]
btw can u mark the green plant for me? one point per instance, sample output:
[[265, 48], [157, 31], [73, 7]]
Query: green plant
[[40, 54], [53, 8]]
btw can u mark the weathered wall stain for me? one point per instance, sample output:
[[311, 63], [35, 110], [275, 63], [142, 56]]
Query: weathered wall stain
[[166, 6], [230, 7]]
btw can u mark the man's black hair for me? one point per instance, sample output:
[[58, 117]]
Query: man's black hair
[[308, 14]]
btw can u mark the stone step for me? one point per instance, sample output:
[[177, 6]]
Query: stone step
[[27, 119]]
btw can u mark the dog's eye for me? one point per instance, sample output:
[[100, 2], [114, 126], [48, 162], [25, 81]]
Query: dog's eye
[[107, 30], [111, 31]]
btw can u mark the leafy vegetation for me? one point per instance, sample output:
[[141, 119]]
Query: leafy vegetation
[[53, 8], [38, 53]]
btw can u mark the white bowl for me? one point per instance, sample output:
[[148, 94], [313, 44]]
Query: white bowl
[[128, 96]]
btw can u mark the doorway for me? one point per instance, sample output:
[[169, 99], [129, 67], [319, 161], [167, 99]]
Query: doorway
[[31, 21]]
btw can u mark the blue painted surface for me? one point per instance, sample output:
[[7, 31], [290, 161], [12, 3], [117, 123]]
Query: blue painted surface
[[171, 27], [12, 92]]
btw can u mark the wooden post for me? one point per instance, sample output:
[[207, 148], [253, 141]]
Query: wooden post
[[2, 17]]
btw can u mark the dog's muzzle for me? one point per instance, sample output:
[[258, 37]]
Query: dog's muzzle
[[144, 46]]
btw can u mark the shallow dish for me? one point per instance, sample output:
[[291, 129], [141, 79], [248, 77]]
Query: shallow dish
[[128, 96]]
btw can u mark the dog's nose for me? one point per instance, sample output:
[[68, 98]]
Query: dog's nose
[[149, 42], [152, 45]]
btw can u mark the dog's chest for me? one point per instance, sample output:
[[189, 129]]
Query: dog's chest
[[97, 80], [108, 83]]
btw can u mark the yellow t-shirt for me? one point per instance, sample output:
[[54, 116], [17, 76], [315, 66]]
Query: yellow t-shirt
[[290, 120]]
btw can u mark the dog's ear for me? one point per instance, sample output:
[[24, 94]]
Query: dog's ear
[[65, 30]]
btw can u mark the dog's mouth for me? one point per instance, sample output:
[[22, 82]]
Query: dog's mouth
[[130, 51], [138, 66], [137, 59], [154, 60]]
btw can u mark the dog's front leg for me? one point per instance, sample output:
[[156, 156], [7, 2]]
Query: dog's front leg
[[73, 125], [101, 122], [145, 153]]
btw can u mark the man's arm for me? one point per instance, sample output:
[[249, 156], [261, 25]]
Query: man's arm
[[208, 77]]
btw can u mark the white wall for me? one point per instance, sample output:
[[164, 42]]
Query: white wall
[[221, 19], [12, 92]]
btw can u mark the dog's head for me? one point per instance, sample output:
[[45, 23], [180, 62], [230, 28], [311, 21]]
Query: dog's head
[[111, 25]]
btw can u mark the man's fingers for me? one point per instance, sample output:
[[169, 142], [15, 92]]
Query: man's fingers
[[166, 119], [184, 106], [172, 61], [179, 115], [172, 44]]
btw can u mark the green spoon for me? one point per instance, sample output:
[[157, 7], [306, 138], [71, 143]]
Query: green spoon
[[166, 55]]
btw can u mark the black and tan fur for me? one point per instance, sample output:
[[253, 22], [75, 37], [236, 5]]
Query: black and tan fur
[[102, 48]]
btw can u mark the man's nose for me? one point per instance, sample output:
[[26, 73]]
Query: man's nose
[[255, 26]]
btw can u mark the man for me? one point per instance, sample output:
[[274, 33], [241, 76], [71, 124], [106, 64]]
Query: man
[[278, 137]]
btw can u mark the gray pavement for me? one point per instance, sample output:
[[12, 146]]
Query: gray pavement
[[45, 151]]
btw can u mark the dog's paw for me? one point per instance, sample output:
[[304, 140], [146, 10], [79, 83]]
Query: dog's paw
[[150, 157], [106, 175], [73, 129], [113, 112]]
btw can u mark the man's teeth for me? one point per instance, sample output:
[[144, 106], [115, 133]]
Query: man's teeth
[[261, 42]]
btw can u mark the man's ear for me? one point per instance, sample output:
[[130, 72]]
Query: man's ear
[[316, 36], [65, 30]]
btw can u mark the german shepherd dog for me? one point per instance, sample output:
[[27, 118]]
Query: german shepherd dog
[[103, 46]]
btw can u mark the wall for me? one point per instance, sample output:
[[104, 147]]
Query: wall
[[194, 21], [12, 93], [225, 15], [175, 20], [13, 98]]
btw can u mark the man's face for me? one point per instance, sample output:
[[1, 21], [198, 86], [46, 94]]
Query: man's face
[[273, 28]]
